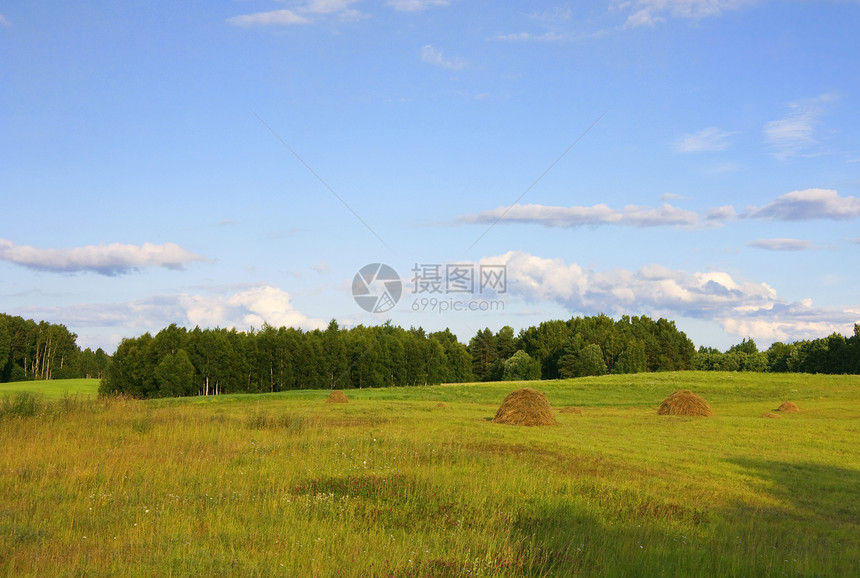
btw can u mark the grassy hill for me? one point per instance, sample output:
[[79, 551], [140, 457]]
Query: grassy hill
[[393, 484]]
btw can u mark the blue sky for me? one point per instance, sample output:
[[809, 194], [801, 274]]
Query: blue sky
[[228, 164]]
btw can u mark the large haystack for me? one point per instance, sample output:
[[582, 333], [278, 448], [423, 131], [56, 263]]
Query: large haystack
[[525, 406], [788, 407], [685, 402], [337, 396]]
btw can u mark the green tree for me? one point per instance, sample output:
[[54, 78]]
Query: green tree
[[175, 375], [5, 348], [521, 367], [632, 358]]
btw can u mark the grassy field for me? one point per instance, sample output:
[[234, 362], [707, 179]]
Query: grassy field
[[392, 484], [54, 388]]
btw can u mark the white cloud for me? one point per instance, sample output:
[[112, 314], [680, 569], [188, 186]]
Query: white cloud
[[112, 259], [783, 244], [4, 21], [706, 140], [792, 135], [416, 5], [275, 17], [242, 308], [724, 213], [652, 12], [744, 308], [577, 216], [436, 57], [322, 268], [795, 206], [809, 204], [338, 8], [530, 37]]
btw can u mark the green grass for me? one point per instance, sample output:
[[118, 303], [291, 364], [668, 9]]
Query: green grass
[[393, 485], [53, 388]]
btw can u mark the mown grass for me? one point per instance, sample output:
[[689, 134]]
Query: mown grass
[[392, 485], [53, 388]]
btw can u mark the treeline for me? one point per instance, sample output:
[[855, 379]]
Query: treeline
[[34, 351], [178, 362], [580, 347], [835, 354]]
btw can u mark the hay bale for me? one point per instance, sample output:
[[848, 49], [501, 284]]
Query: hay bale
[[571, 409], [525, 406], [788, 407], [337, 396], [685, 402], [771, 415]]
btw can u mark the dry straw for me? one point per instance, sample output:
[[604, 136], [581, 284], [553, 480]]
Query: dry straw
[[525, 406], [337, 396], [685, 402], [788, 407], [771, 415]]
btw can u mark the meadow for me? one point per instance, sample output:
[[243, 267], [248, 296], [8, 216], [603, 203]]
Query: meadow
[[418, 482], [52, 389]]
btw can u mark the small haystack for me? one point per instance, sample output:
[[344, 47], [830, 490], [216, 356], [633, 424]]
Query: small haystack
[[337, 396], [685, 402], [771, 415], [525, 406], [571, 409], [788, 407], [441, 404]]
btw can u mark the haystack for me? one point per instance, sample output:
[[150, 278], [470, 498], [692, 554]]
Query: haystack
[[337, 396], [571, 409], [441, 404], [788, 407], [525, 406], [685, 402]]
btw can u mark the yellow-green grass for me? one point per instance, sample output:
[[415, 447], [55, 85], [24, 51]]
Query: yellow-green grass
[[391, 484], [53, 388]]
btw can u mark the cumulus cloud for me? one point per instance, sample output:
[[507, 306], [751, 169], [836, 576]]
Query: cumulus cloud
[[274, 17], [431, 55], [250, 308], [577, 216], [652, 12], [809, 204], [783, 244], [706, 140], [744, 308], [242, 308], [113, 259], [415, 5]]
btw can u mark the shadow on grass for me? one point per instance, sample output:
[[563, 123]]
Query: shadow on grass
[[825, 492]]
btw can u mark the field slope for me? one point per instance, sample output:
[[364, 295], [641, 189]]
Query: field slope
[[419, 482]]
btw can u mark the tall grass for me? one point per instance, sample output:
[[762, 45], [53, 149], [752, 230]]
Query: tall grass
[[392, 485]]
